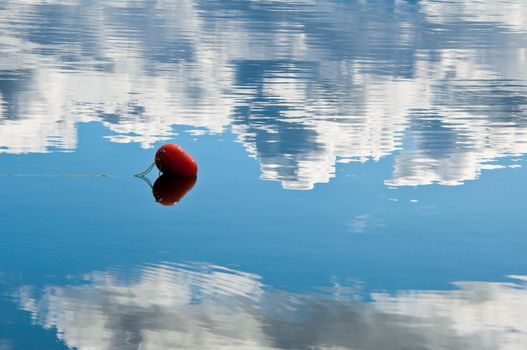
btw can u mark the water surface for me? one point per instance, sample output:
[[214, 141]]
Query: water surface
[[361, 180]]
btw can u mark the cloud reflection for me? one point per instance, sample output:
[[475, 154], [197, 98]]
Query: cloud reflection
[[210, 307], [302, 84]]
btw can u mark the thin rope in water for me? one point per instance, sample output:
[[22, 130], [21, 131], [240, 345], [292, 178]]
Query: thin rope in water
[[145, 179], [146, 171]]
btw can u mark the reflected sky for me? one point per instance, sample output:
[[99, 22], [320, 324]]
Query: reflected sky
[[211, 307], [404, 122], [302, 84]]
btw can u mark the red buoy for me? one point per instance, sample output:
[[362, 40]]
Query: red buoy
[[169, 190], [172, 160]]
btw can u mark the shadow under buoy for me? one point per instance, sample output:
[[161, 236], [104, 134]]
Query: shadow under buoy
[[169, 190]]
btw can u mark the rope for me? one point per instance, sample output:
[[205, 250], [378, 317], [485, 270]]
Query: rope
[[146, 171]]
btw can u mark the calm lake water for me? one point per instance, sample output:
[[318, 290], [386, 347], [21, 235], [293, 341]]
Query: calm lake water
[[362, 180]]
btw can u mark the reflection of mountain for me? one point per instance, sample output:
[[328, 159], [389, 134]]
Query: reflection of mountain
[[209, 307], [303, 84]]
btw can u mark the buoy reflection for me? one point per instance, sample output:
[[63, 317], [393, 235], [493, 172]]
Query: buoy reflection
[[169, 190]]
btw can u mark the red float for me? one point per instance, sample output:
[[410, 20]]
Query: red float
[[172, 160]]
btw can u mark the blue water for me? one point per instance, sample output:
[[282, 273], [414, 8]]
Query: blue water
[[361, 175]]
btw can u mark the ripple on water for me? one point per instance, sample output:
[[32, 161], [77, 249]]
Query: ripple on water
[[274, 73], [188, 305]]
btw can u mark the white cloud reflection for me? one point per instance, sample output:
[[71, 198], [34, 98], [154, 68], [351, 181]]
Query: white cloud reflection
[[324, 82], [209, 307]]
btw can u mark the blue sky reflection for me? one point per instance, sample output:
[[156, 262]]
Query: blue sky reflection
[[440, 87]]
